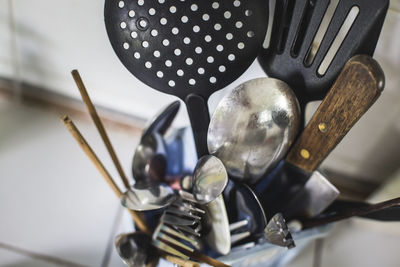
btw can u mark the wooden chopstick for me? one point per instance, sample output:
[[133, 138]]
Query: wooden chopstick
[[99, 165], [96, 119], [181, 262]]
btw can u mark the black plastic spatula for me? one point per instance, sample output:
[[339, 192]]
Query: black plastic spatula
[[187, 48], [306, 47]]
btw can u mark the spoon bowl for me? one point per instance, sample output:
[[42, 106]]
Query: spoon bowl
[[148, 196], [135, 249], [253, 127], [209, 179]]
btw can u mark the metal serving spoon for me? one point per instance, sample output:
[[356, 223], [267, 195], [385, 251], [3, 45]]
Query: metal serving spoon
[[135, 249], [209, 179], [253, 127], [144, 196], [150, 159]]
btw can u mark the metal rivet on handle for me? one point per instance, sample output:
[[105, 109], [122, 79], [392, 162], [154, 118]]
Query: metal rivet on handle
[[323, 128], [304, 153]]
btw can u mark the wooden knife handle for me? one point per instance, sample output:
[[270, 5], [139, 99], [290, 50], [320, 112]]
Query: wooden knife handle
[[358, 86]]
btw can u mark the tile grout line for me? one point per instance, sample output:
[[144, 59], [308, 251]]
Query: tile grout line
[[38, 256], [110, 242]]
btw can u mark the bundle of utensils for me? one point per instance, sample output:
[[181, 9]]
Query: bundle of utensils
[[256, 161]]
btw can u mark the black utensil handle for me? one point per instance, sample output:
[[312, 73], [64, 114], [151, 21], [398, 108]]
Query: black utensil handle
[[391, 214], [358, 211], [200, 120]]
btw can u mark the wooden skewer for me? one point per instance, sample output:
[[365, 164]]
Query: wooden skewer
[[181, 262], [106, 175], [99, 125]]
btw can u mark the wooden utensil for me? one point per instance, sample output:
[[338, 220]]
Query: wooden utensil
[[358, 86]]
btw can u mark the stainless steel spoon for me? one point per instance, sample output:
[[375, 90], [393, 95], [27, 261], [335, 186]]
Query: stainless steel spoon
[[150, 159], [209, 179], [144, 196], [135, 249], [253, 127]]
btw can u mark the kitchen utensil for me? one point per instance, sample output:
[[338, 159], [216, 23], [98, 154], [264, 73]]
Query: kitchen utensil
[[389, 214], [238, 236], [137, 218], [356, 89], [243, 204], [181, 240], [277, 232], [164, 232], [99, 125], [171, 242], [218, 236], [209, 179], [253, 127], [186, 182], [143, 196], [135, 249], [161, 122], [308, 50], [150, 159], [351, 212], [181, 153], [189, 49], [312, 198]]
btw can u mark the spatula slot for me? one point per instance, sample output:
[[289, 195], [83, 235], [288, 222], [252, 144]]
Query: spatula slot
[[344, 30], [301, 33], [313, 50], [288, 8], [267, 41]]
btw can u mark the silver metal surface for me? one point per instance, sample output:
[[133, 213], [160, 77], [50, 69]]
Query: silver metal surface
[[177, 220], [187, 182], [316, 195], [277, 232], [133, 249], [143, 196], [150, 159], [219, 236], [253, 127], [209, 179]]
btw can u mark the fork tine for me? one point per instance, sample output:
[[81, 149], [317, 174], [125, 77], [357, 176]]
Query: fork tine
[[187, 205], [164, 236], [178, 212], [175, 233], [185, 229], [164, 247], [175, 220]]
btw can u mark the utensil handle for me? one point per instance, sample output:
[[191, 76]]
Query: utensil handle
[[358, 86], [358, 211], [200, 120]]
